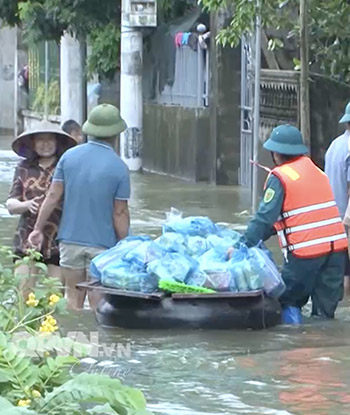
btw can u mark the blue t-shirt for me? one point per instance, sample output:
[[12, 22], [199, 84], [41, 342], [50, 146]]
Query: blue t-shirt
[[337, 168], [94, 177]]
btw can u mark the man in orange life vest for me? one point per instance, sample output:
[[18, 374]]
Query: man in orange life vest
[[299, 206]]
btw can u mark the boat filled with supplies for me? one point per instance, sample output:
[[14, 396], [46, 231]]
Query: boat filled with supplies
[[189, 261], [190, 256]]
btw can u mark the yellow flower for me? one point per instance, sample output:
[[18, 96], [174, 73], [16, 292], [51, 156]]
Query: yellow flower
[[36, 394], [24, 402], [49, 325], [54, 299], [32, 301]]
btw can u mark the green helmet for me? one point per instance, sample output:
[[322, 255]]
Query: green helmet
[[286, 139], [104, 121], [346, 117]]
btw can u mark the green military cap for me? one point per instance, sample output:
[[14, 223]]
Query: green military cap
[[346, 117], [104, 121], [286, 139]]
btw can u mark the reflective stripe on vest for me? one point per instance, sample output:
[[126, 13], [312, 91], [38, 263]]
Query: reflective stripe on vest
[[328, 239], [307, 209], [312, 225]]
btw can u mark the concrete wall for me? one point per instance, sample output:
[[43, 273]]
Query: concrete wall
[[176, 141], [71, 72], [32, 118], [225, 91], [7, 79]]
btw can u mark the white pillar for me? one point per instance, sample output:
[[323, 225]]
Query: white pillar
[[71, 80], [131, 97]]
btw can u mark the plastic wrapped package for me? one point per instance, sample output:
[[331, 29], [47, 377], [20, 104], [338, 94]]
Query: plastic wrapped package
[[138, 255], [124, 276], [253, 278], [144, 253], [263, 265], [197, 278], [214, 264], [219, 244], [213, 260], [218, 280], [224, 232], [238, 266], [172, 242], [197, 246], [172, 266], [214, 240], [191, 226], [238, 280], [117, 253]]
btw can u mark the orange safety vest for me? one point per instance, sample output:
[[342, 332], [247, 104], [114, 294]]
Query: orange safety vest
[[309, 225]]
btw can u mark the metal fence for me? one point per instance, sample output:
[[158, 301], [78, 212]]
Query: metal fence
[[44, 78], [247, 73], [191, 85]]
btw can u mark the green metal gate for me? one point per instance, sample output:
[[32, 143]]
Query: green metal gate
[[44, 96]]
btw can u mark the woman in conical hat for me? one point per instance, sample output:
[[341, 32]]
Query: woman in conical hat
[[40, 148]]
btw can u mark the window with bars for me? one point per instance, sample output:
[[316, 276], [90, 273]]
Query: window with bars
[[44, 60]]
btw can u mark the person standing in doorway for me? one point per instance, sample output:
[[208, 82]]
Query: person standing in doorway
[[95, 185], [41, 148], [337, 168]]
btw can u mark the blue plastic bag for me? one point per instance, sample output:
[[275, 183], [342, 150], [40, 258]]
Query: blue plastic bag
[[224, 232], [197, 246], [172, 242], [173, 266], [112, 255], [197, 278], [191, 226], [215, 265], [125, 276], [262, 263], [144, 253], [213, 260]]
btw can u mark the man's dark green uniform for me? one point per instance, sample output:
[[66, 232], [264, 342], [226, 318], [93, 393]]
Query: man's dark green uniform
[[320, 278]]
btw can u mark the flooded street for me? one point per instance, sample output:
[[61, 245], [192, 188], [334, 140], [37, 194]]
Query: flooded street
[[281, 371]]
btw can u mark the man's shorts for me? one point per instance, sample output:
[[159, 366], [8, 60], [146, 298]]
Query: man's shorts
[[77, 257]]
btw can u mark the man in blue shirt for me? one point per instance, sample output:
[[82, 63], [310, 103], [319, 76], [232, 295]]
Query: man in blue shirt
[[95, 185], [337, 168]]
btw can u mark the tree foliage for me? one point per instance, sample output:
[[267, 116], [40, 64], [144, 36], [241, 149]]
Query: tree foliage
[[329, 28], [95, 20]]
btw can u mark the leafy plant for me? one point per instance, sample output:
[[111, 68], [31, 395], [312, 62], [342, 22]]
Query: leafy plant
[[104, 57], [328, 26], [36, 378], [52, 98]]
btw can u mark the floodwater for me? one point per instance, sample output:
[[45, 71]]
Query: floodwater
[[280, 371]]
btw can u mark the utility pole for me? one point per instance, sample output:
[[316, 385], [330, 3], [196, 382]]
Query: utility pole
[[304, 73], [256, 116], [135, 15]]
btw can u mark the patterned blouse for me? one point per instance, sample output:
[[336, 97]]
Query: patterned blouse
[[31, 180]]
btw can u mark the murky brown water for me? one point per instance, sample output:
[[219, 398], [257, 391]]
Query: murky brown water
[[282, 371]]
